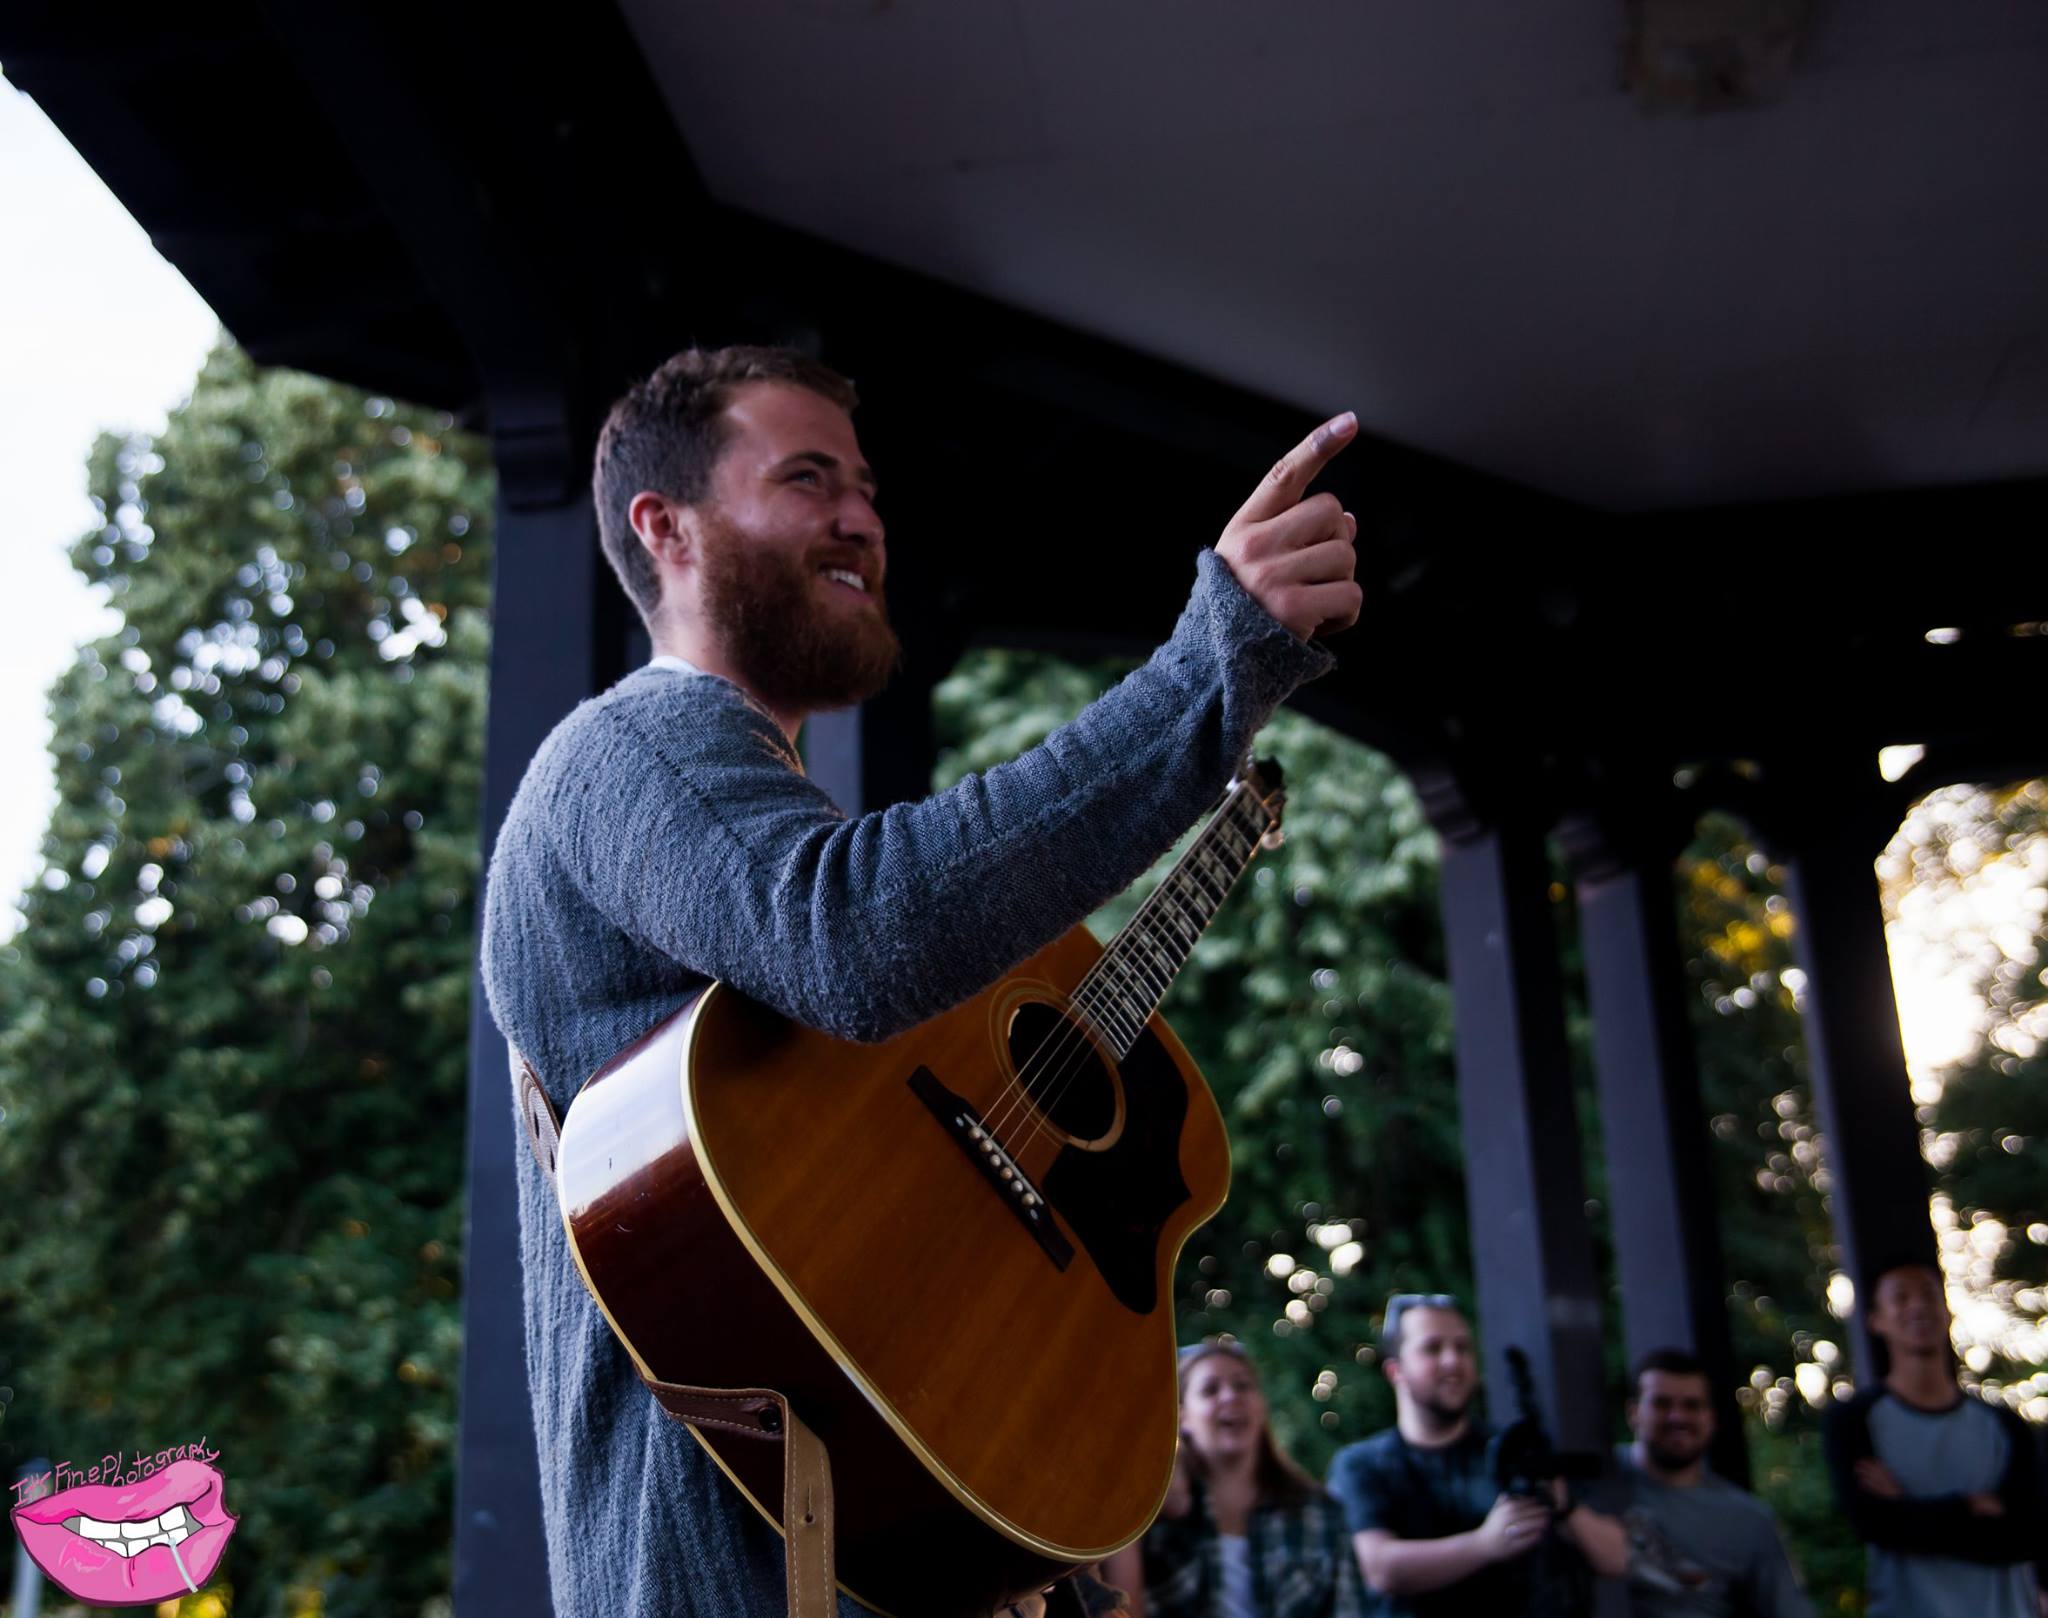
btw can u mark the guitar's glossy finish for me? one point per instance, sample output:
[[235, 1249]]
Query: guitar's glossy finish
[[757, 1204]]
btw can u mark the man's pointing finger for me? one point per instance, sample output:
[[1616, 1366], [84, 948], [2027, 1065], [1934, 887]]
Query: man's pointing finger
[[1297, 469]]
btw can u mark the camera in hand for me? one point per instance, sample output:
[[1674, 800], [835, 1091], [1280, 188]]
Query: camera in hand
[[1521, 1456]]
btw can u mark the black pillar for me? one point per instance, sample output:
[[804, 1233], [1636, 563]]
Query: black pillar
[[1524, 1176], [1660, 1189], [1878, 1184], [877, 754], [553, 642]]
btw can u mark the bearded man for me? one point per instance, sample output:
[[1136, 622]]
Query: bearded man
[[1434, 1534], [665, 836], [1699, 1547]]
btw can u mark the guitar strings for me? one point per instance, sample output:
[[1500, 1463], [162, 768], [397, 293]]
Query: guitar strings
[[1160, 898], [1095, 996], [1096, 988], [1073, 1042]]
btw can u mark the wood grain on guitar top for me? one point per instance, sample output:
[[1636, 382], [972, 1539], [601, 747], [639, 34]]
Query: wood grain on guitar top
[[993, 1418]]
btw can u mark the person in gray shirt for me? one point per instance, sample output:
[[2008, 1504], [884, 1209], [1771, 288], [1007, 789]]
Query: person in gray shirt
[[1944, 1489], [1699, 1547], [665, 835]]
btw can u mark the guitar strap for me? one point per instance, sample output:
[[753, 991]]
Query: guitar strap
[[752, 1412]]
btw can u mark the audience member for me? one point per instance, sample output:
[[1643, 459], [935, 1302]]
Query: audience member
[[1699, 1547], [1434, 1534], [1944, 1489], [1245, 1532]]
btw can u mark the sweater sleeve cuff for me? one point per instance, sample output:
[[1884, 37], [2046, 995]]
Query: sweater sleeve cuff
[[1263, 653]]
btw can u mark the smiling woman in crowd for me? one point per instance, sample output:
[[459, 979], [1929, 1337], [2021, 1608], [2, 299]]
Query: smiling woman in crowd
[[1245, 1532]]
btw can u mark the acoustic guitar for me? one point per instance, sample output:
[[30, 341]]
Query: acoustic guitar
[[953, 1251]]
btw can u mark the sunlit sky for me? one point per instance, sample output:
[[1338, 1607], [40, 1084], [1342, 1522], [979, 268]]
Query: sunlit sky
[[97, 331]]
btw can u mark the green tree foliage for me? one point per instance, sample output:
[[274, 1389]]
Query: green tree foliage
[[233, 1069]]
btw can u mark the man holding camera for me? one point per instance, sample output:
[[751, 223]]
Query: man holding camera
[[1435, 1535]]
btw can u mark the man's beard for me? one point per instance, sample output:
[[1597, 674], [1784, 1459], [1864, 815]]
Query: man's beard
[[1439, 1416], [779, 638], [1667, 1458]]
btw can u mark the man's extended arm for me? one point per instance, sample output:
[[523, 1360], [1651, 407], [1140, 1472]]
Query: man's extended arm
[[682, 821], [2015, 1532], [1400, 1567], [1602, 1540]]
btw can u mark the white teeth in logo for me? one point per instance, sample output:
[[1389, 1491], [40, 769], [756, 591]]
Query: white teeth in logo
[[846, 577], [132, 1538]]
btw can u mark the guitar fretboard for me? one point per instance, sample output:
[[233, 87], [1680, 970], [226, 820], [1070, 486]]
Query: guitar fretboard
[[1126, 986]]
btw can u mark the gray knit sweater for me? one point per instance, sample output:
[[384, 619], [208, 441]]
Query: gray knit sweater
[[665, 835]]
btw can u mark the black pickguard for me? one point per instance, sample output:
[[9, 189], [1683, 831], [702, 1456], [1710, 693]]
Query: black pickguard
[[1117, 1202]]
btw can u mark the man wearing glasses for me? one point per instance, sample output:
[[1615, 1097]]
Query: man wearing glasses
[[1435, 1536]]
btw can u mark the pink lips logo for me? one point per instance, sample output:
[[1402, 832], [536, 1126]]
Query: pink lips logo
[[110, 1546]]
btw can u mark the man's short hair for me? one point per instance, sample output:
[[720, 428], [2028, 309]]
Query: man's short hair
[[1891, 1264], [667, 433], [1671, 1361], [1397, 1308]]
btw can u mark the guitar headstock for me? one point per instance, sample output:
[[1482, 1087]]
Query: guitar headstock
[[1264, 779]]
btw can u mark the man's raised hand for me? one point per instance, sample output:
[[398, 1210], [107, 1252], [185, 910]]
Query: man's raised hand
[[1294, 556]]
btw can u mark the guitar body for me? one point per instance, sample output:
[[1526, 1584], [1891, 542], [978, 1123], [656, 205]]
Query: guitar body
[[988, 1356]]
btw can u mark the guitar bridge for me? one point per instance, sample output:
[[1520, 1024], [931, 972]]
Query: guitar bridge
[[982, 1149]]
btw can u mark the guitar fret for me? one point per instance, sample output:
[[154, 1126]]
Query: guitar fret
[[1169, 957], [1102, 1012], [1128, 999], [1146, 968], [1186, 931], [1205, 885], [1251, 834], [1222, 874], [1130, 981], [1190, 911]]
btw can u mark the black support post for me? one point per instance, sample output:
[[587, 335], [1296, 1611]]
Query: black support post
[[1660, 1188], [877, 754], [1878, 1180], [1524, 1176], [553, 642]]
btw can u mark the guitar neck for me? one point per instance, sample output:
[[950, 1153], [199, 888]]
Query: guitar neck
[[1128, 983]]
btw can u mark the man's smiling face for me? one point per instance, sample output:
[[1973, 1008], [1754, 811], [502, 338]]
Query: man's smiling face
[[792, 556]]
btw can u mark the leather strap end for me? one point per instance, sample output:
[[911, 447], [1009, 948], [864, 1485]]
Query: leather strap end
[[807, 1522], [807, 1527]]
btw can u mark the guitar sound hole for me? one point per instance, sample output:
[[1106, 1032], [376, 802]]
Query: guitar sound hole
[[1060, 1069]]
